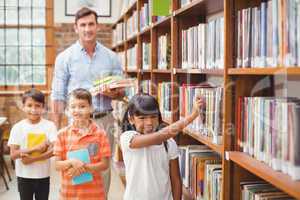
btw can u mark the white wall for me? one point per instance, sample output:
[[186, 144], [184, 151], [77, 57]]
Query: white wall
[[59, 12]]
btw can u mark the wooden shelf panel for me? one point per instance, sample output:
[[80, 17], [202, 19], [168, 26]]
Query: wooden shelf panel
[[200, 71], [278, 179], [204, 7], [166, 22], [145, 71], [132, 71], [162, 71], [145, 31], [205, 140], [265, 71], [132, 39]]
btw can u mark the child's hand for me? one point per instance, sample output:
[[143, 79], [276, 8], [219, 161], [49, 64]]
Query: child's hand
[[26, 160], [75, 172], [198, 105], [42, 147]]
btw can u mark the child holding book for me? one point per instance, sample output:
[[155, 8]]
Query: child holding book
[[82, 135], [149, 152], [30, 144]]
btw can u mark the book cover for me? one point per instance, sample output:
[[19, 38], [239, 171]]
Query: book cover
[[33, 140], [82, 155], [161, 7]]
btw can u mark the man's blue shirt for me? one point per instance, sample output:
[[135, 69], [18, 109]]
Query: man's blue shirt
[[74, 68]]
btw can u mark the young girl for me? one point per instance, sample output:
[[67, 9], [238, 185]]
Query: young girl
[[151, 164], [84, 135]]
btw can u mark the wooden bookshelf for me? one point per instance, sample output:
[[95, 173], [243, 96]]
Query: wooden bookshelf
[[265, 71], [204, 140], [278, 179], [237, 82]]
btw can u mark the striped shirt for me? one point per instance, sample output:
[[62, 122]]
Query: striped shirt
[[96, 142]]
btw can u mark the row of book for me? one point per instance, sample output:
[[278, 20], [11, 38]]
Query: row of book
[[131, 58], [132, 25], [268, 129], [209, 122], [164, 52], [269, 35], [164, 99], [203, 45], [259, 190], [201, 171], [146, 86], [119, 33], [146, 56], [145, 15]]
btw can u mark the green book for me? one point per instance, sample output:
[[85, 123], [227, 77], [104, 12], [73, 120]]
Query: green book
[[161, 7]]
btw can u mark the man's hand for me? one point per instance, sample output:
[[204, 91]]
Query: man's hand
[[114, 93]]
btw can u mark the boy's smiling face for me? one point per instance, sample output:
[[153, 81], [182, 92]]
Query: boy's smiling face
[[80, 109], [33, 110]]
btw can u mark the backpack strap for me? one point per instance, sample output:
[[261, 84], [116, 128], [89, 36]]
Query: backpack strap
[[166, 146]]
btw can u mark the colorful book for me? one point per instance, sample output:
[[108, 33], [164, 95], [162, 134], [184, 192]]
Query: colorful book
[[33, 140], [161, 7], [82, 155]]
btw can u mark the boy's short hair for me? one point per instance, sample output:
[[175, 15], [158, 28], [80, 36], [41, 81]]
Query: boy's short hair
[[35, 94], [83, 12], [81, 93]]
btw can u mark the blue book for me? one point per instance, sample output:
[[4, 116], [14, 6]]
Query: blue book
[[83, 155]]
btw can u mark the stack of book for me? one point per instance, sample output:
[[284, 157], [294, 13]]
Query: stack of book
[[164, 52], [145, 16], [132, 25], [146, 56], [164, 99], [131, 58]]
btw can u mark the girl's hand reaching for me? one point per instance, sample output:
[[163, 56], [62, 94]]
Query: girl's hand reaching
[[199, 104]]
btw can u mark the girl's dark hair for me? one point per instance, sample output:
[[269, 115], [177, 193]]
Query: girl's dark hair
[[35, 94], [81, 93], [141, 104]]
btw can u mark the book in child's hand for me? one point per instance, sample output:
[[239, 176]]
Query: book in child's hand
[[82, 155], [34, 140]]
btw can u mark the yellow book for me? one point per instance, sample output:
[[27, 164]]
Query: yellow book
[[34, 140]]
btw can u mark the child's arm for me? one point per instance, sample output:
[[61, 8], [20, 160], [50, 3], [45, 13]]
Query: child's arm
[[16, 152], [99, 166], [175, 179], [172, 130], [43, 156]]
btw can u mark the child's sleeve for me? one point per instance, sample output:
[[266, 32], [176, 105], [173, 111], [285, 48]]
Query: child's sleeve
[[52, 133], [58, 146], [104, 147], [13, 137], [173, 152], [126, 138]]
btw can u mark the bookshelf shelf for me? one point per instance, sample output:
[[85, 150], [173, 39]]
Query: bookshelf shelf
[[145, 71], [132, 39], [163, 23], [161, 71], [205, 140], [265, 71], [278, 179], [131, 71], [145, 31], [200, 71], [200, 6]]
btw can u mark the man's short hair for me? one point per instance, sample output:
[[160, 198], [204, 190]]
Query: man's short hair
[[35, 94], [83, 12]]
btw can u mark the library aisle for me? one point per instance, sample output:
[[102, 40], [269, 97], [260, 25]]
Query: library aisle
[[115, 193]]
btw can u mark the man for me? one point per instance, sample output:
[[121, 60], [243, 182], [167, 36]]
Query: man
[[81, 64]]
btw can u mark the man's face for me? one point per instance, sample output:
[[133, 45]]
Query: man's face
[[86, 28]]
